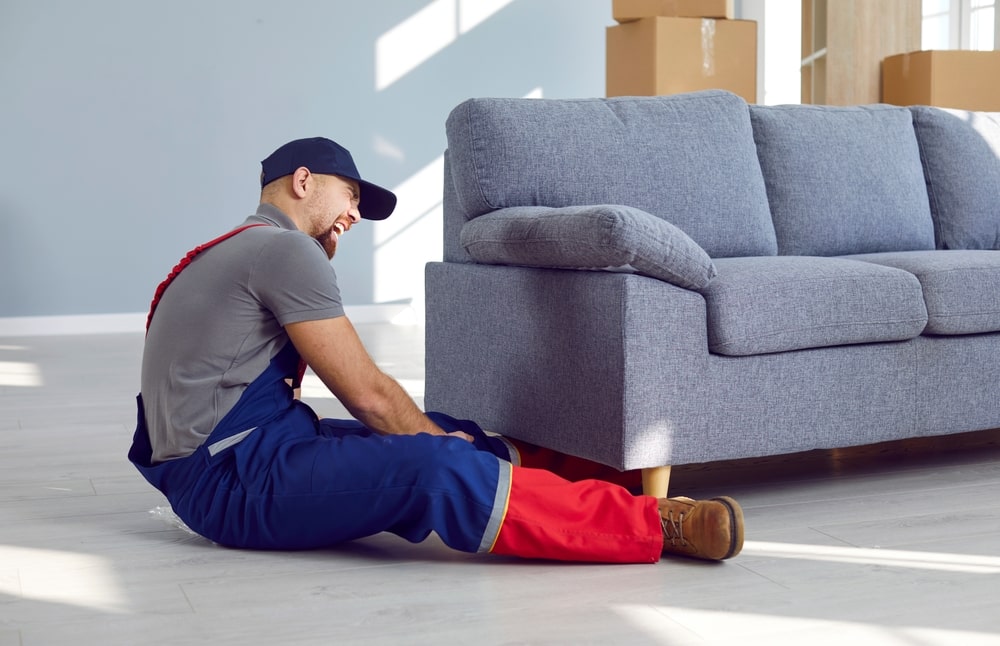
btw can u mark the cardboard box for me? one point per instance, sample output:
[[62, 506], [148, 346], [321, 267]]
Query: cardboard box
[[629, 10], [961, 79], [655, 56]]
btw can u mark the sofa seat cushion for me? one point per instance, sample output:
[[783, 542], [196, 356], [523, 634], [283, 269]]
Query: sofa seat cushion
[[961, 288], [758, 305], [843, 180], [689, 159], [588, 237], [960, 151]]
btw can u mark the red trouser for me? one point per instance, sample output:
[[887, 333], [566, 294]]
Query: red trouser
[[566, 508]]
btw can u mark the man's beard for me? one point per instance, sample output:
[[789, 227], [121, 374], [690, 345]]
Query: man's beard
[[328, 240]]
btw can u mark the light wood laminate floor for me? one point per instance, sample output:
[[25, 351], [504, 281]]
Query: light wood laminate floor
[[892, 544]]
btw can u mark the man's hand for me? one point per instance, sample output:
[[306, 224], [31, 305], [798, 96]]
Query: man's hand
[[334, 351]]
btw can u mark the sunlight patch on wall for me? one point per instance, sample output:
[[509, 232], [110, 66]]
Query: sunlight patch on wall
[[387, 149], [54, 576], [474, 12], [409, 239], [409, 44], [21, 374]]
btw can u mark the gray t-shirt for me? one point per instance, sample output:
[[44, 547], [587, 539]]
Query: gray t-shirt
[[220, 323]]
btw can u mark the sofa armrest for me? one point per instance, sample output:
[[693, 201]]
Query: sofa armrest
[[593, 364], [606, 236]]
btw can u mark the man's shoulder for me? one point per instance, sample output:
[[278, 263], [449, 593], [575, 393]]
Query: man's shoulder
[[278, 239], [283, 241]]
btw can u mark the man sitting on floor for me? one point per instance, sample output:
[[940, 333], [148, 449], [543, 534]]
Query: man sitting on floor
[[246, 464]]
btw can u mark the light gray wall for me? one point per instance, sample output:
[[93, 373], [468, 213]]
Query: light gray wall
[[132, 130]]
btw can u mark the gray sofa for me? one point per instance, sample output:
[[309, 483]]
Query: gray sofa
[[657, 281]]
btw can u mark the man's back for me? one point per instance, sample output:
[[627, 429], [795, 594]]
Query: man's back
[[220, 323]]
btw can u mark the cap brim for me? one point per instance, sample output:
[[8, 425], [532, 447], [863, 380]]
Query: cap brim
[[377, 203]]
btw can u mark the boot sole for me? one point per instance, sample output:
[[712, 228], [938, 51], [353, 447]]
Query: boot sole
[[735, 526]]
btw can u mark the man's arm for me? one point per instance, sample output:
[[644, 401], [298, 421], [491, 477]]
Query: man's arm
[[334, 351]]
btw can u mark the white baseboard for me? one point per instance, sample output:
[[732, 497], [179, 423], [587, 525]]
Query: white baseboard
[[399, 314], [72, 324]]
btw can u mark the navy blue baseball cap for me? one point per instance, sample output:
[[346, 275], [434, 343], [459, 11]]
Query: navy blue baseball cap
[[325, 157]]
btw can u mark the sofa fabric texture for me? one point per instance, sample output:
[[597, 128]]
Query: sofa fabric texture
[[842, 180], [783, 303], [688, 159], [589, 237], [965, 203]]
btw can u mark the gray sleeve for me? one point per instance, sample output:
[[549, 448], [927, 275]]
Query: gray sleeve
[[293, 278]]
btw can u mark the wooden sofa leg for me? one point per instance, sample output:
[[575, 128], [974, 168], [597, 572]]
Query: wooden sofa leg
[[655, 481]]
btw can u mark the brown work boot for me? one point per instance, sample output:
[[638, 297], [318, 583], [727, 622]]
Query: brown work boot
[[704, 529]]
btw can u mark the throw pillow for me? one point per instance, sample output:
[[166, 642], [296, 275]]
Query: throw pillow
[[589, 237]]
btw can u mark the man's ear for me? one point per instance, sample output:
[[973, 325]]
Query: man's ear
[[299, 180]]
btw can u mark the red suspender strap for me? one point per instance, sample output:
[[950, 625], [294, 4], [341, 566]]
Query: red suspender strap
[[185, 261], [300, 374]]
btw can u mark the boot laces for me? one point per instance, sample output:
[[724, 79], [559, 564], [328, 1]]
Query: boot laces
[[673, 529]]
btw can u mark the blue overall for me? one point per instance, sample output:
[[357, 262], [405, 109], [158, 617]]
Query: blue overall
[[293, 481], [271, 475]]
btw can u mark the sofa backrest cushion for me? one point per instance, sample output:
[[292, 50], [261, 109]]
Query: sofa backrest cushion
[[688, 159], [960, 152], [843, 180]]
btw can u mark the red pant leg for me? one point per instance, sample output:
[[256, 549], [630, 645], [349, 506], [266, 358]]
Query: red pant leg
[[548, 517], [571, 467]]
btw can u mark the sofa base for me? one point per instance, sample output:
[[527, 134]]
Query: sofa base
[[615, 368]]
